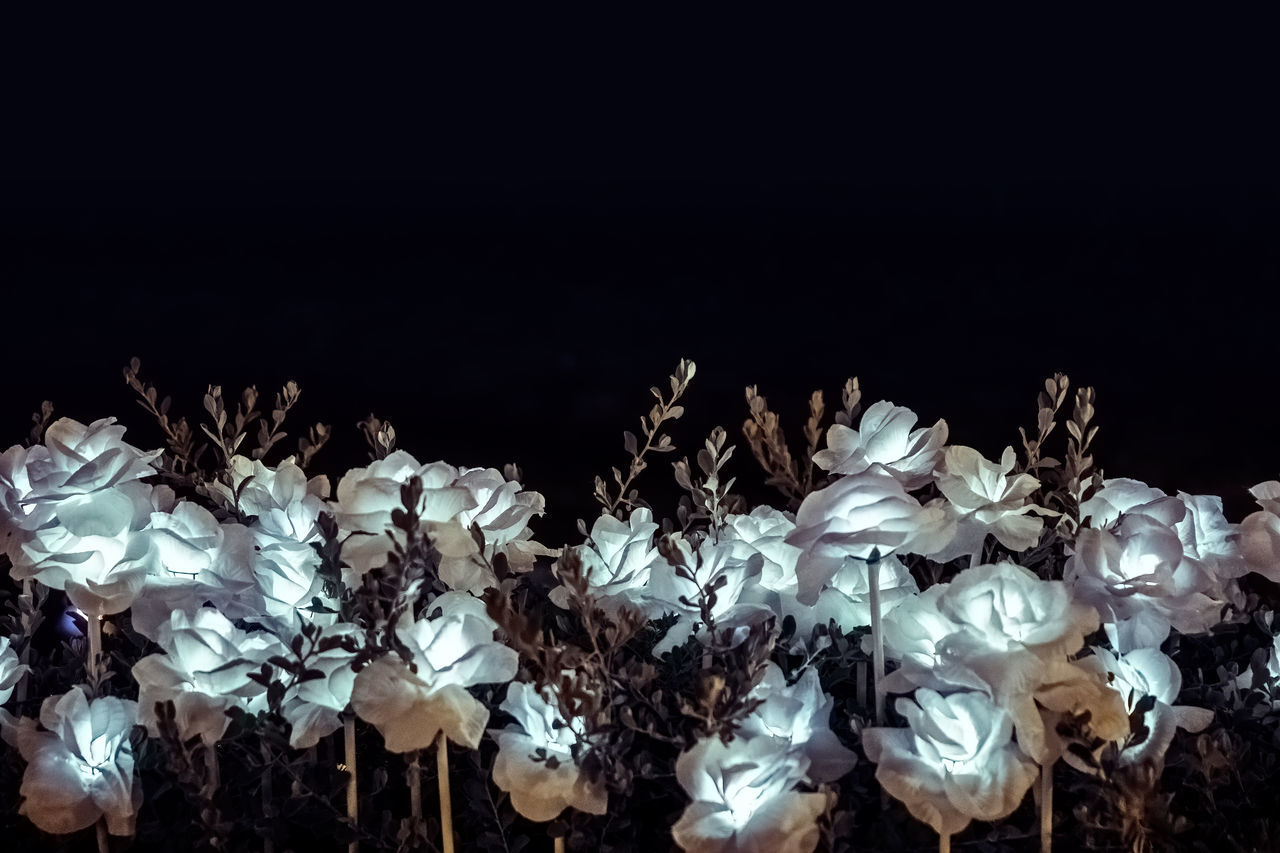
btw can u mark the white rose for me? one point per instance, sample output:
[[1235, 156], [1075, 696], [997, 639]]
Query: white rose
[[1260, 532], [800, 715], [538, 790], [450, 653], [955, 762], [1137, 578], [855, 516], [884, 436], [368, 496], [1150, 672], [712, 564], [11, 670], [204, 673], [986, 497], [91, 545], [846, 598], [314, 707], [744, 798], [617, 560], [81, 769]]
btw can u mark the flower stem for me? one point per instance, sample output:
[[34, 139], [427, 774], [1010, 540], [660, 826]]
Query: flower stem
[[559, 845], [95, 649], [860, 686], [104, 843], [415, 788], [1046, 808], [353, 798], [877, 633], [944, 842], [446, 797], [20, 694]]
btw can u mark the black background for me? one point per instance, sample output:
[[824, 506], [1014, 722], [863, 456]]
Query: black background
[[500, 237]]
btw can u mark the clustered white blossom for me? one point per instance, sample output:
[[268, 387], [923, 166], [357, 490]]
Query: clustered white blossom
[[536, 762], [985, 666]]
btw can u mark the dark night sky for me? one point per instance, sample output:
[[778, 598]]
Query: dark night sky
[[502, 258]]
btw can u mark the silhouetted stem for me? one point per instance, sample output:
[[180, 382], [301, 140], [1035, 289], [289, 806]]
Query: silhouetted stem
[[415, 788], [1046, 808], [446, 797], [877, 635], [353, 798], [95, 648]]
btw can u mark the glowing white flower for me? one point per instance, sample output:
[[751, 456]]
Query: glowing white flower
[[855, 516], [1124, 496], [1069, 688], [986, 497], [617, 560], [80, 460], [914, 630], [314, 707], [1260, 532], [1137, 576], [540, 789], [955, 762], [91, 545], [197, 561], [81, 769], [1000, 630], [712, 565], [1010, 608], [15, 485], [764, 531], [800, 715], [744, 798], [846, 598], [368, 496], [282, 501], [450, 653], [1150, 672], [502, 512], [884, 436], [11, 670], [204, 674]]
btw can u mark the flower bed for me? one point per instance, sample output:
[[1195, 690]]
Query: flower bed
[[915, 648]]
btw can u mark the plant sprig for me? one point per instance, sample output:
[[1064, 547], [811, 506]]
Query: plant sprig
[[664, 410]]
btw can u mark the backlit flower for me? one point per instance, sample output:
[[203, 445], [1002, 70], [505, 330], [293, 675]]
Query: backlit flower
[[204, 673], [91, 545], [1150, 672], [542, 787], [744, 798], [986, 497], [367, 497], [671, 591], [617, 560], [314, 707], [855, 516], [846, 598], [81, 769], [1260, 532], [450, 653], [1137, 576], [11, 670], [884, 436], [800, 714], [955, 762]]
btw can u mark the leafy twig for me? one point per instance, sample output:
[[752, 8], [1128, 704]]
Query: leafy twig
[[662, 411]]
